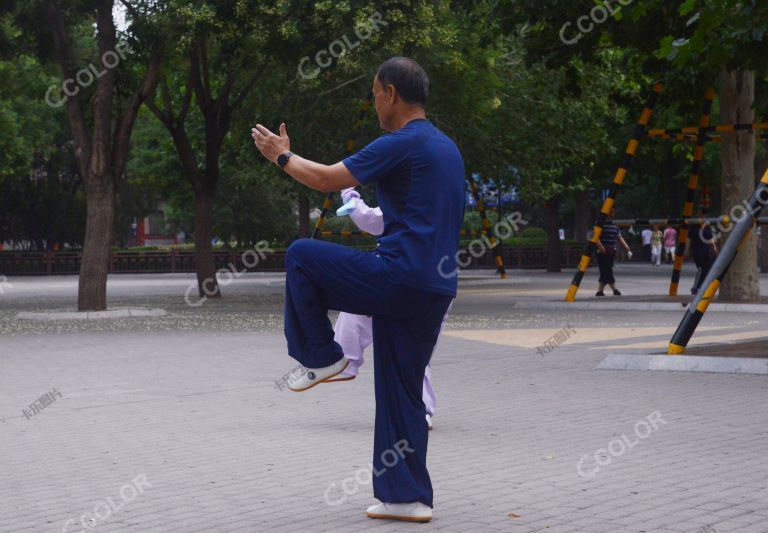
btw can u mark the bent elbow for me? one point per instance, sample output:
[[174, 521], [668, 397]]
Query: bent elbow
[[325, 187]]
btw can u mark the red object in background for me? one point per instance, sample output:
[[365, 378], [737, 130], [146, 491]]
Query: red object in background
[[143, 234], [706, 197], [140, 231]]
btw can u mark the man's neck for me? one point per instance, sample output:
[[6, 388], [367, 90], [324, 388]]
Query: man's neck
[[410, 115]]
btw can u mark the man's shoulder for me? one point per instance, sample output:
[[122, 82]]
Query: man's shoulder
[[424, 129], [436, 139]]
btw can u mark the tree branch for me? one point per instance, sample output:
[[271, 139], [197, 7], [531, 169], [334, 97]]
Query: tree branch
[[223, 99], [186, 156], [185, 103], [195, 79], [167, 104], [146, 88], [75, 116], [179, 134], [132, 10], [248, 87], [102, 101], [342, 85], [205, 69], [159, 113]]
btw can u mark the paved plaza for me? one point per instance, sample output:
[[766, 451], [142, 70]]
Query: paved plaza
[[179, 422]]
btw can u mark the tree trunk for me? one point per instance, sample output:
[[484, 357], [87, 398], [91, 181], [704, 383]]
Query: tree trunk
[[737, 157], [581, 219], [97, 247], [205, 265], [303, 215], [552, 207]]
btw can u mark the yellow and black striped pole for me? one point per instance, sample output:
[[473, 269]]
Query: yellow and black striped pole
[[694, 138], [496, 245], [693, 185], [698, 307], [629, 155], [350, 149], [692, 132], [327, 204]]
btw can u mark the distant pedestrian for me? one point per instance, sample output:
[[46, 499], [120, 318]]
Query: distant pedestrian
[[670, 241], [606, 254], [646, 235], [656, 238], [703, 248]]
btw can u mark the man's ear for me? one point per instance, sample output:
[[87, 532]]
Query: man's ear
[[391, 93]]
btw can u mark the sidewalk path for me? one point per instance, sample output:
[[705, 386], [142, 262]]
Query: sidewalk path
[[175, 423]]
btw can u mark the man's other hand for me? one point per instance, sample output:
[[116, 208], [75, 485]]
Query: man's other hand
[[269, 144]]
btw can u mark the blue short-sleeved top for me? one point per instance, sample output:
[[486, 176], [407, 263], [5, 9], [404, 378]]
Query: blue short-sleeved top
[[419, 175]]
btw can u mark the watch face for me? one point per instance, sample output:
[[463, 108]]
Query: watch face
[[282, 159]]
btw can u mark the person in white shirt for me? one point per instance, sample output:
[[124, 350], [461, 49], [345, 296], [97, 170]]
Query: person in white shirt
[[647, 235], [354, 333]]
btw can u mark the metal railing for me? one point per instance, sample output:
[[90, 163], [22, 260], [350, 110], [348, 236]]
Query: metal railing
[[16, 263]]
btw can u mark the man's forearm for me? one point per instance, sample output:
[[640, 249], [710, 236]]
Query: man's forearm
[[323, 178]]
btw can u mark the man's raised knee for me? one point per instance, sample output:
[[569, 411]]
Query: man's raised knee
[[299, 249]]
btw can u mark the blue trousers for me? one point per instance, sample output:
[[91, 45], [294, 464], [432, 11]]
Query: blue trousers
[[406, 323]]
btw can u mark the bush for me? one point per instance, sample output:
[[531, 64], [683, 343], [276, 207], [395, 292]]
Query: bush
[[534, 234], [334, 223], [472, 221]]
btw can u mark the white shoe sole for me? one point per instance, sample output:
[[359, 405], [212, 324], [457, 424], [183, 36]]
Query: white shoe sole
[[400, 517], [334, 379], [320, 381]]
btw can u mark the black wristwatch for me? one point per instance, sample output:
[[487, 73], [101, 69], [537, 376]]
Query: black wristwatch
[[283, 158]]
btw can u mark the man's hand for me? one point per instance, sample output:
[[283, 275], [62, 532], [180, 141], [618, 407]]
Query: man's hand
[[349, 194], [269, 144], [323, 178]]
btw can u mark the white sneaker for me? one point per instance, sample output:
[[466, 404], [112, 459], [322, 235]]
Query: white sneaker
[[348, 374], [429, 422], [341, 377], [309, 377], [410, 512]]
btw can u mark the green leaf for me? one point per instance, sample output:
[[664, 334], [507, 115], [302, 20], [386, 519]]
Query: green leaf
[[687, 7]]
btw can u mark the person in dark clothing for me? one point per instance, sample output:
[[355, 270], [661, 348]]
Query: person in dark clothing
[[406, 284], [606, 254], [703, 248]]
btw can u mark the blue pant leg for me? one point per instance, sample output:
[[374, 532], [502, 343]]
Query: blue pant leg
[[402, 350], [322, 276]]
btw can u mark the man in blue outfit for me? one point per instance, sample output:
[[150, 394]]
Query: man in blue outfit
[[419, 175]]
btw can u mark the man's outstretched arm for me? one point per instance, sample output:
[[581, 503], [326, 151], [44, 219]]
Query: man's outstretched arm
[[323, 178]]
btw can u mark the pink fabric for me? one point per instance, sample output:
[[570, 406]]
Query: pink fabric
[[670, 237], [354, 333]]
